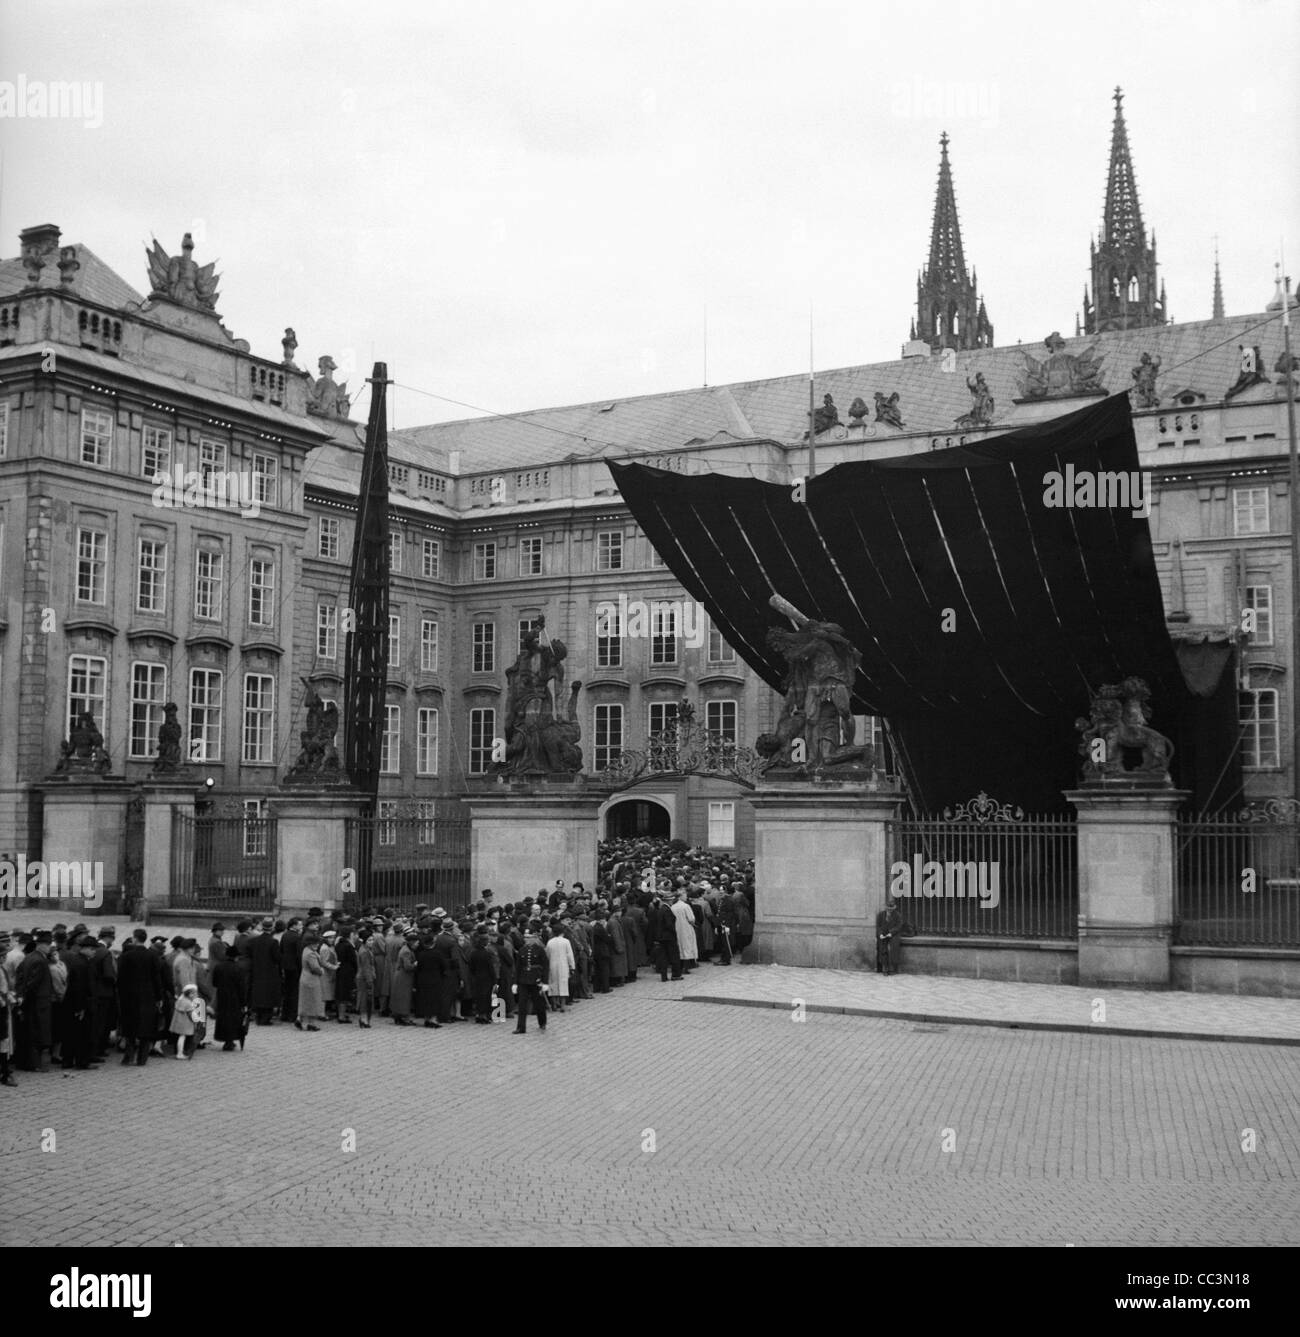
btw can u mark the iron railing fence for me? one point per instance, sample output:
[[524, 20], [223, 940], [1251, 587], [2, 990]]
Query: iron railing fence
[[410, 854], [223, 862]]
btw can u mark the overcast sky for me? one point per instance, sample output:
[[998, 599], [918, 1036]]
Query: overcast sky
[[518, 205]]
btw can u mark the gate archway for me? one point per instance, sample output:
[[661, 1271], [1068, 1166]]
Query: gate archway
[[632, 817]]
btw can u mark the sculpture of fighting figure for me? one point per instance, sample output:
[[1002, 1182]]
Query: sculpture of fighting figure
[[538, 741], [83, 751], [815, 729], [1118, 743], [981, 410], [1143, 389], [181, 279], [168, 760], [319, 757]]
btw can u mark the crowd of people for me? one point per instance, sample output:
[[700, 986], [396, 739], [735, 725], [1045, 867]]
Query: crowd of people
[[69, 997]]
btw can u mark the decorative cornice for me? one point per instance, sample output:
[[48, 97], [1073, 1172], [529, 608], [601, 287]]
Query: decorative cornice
[[99, 624], [209, 638]]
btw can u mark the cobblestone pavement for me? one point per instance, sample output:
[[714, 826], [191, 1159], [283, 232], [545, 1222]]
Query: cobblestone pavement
[[765, 1131], [1054, 1007]]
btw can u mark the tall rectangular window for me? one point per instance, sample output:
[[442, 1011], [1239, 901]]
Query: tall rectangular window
[[212, 460], [528, 625], [255, 828], [395, 551], [656, 562], [530, 556], [205, 714], [390, 745], [485, 647], [148, 695], [485, 561], [4, 430], [156, 452], [92, 559], [209, 571], [719, 651], [261, 592], [609, 636], [428, 645], [97, 437], [663, 633], [87, 689], [663, 714], [1260, 740], [327, 537], [259, 718], [327, 631], [607, 735], [1250, 510], [431, 559], [722, 718], [266, 469], [426, 741], [1259, 600], [722, 825], [387, 824], [482, 729], [426, 813], [151, 577], [609, 550], [394, 640]]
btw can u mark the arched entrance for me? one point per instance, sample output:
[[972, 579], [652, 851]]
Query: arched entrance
[[636, 817]]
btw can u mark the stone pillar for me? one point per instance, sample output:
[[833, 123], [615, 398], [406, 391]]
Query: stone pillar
[[84, 838], [1126, 883], [160, 799], [821, 871], [525, 835], [311, 845]]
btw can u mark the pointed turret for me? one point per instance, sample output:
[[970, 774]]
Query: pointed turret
[[1218, 287], [1123, 264], [949, 312]]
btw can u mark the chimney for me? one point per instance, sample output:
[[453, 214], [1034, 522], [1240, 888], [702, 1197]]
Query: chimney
[[40, 240]]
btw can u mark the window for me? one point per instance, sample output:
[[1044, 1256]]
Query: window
[[719, 651], [722, 825], [151, 577], [397, 476], [528, 625], [426, 824], [156, 454], [261, 592], [426, 741], [482, 728], [96, 437], [148, 693], [259, 718], [1259, 598], [4, 430], [87, 689], [254, 828], [1250, 510], [395, 551], [431, 560], [212, 460], [428, 646], [208, 575], [327, 631], [530, 557], [609, 636], [485, 647], [721, 718], [394, 640], [1257, 713], [663, 715], [663, 633], [92, 556], [390, 746], [265, 477], [327, 537], [609, 550], [608, 736], [387, 822], [205, 714], [485, 561], [656, 562]]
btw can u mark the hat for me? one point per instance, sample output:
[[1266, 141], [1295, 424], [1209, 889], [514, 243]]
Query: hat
[[190, 988], [158, 938], [108, 933], [268, 922], [44, 935], [329, 933], [439, 912]]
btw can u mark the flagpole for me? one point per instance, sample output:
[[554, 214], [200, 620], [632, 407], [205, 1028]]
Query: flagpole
[[812, 394]]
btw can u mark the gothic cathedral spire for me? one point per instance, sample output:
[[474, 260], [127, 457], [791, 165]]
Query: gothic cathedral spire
[[1125, 293], [949, 312]]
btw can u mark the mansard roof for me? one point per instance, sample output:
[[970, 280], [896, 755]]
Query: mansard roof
[[96, 282]]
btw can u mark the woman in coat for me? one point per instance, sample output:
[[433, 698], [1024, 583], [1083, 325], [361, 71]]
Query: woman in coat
[[618, 949], [403, 982], [228, 984], [632, 939], [686, 944], [329, 959], [345, 979], [483, 969], [559, 955], [369, 954], [428, 982], [311, 985]]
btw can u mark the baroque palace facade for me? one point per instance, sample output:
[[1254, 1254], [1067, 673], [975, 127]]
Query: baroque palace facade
[[221, 588]]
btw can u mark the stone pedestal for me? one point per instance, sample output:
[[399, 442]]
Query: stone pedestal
[[1126, 883], [821, 871], [83, 841], [524, 836], [159, 799], [311, 845]]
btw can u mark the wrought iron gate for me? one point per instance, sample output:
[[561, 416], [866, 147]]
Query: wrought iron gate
[[409, 853], [223, 860]]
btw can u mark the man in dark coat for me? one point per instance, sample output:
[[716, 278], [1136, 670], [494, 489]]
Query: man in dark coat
[[532, 970], [78, 1038], [448, 950], [35, 990], [232, 1000], [103, 988], [140, 990], [265, 986], [430, 966], [667, 951], [483, 970], [290, 969], [505, 950], [345, 977], [889, 928], [602, 951]]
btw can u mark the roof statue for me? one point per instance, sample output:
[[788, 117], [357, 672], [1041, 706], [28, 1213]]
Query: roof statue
[[981, 411], [1061, 375], [290, 346], [1251, 370], [325, 398], [825, 417], [180, 279], [858, 411], [887, 409], [1144, 382], [68, 264]]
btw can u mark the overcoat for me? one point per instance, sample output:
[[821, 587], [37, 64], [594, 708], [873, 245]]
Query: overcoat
[[685, 918], [311, 985], [230, 985], [402, 990], [559, 952], [618, 954], [265, 983]]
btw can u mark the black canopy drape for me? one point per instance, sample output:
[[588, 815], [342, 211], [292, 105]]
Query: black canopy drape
[[984, 616]]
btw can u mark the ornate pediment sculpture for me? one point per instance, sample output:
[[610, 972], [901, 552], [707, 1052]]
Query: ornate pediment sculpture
[[180, 279], [325, 397], [1061, 375]]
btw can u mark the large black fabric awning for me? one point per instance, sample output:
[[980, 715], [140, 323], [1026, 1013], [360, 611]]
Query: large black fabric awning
[[984, 616]]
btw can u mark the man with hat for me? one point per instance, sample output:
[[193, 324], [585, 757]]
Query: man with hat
[[7, 1002], [78, 1038], [290, 968], [531, 972], [103, 988], [140, 988], [35, 990], [265, 984]]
